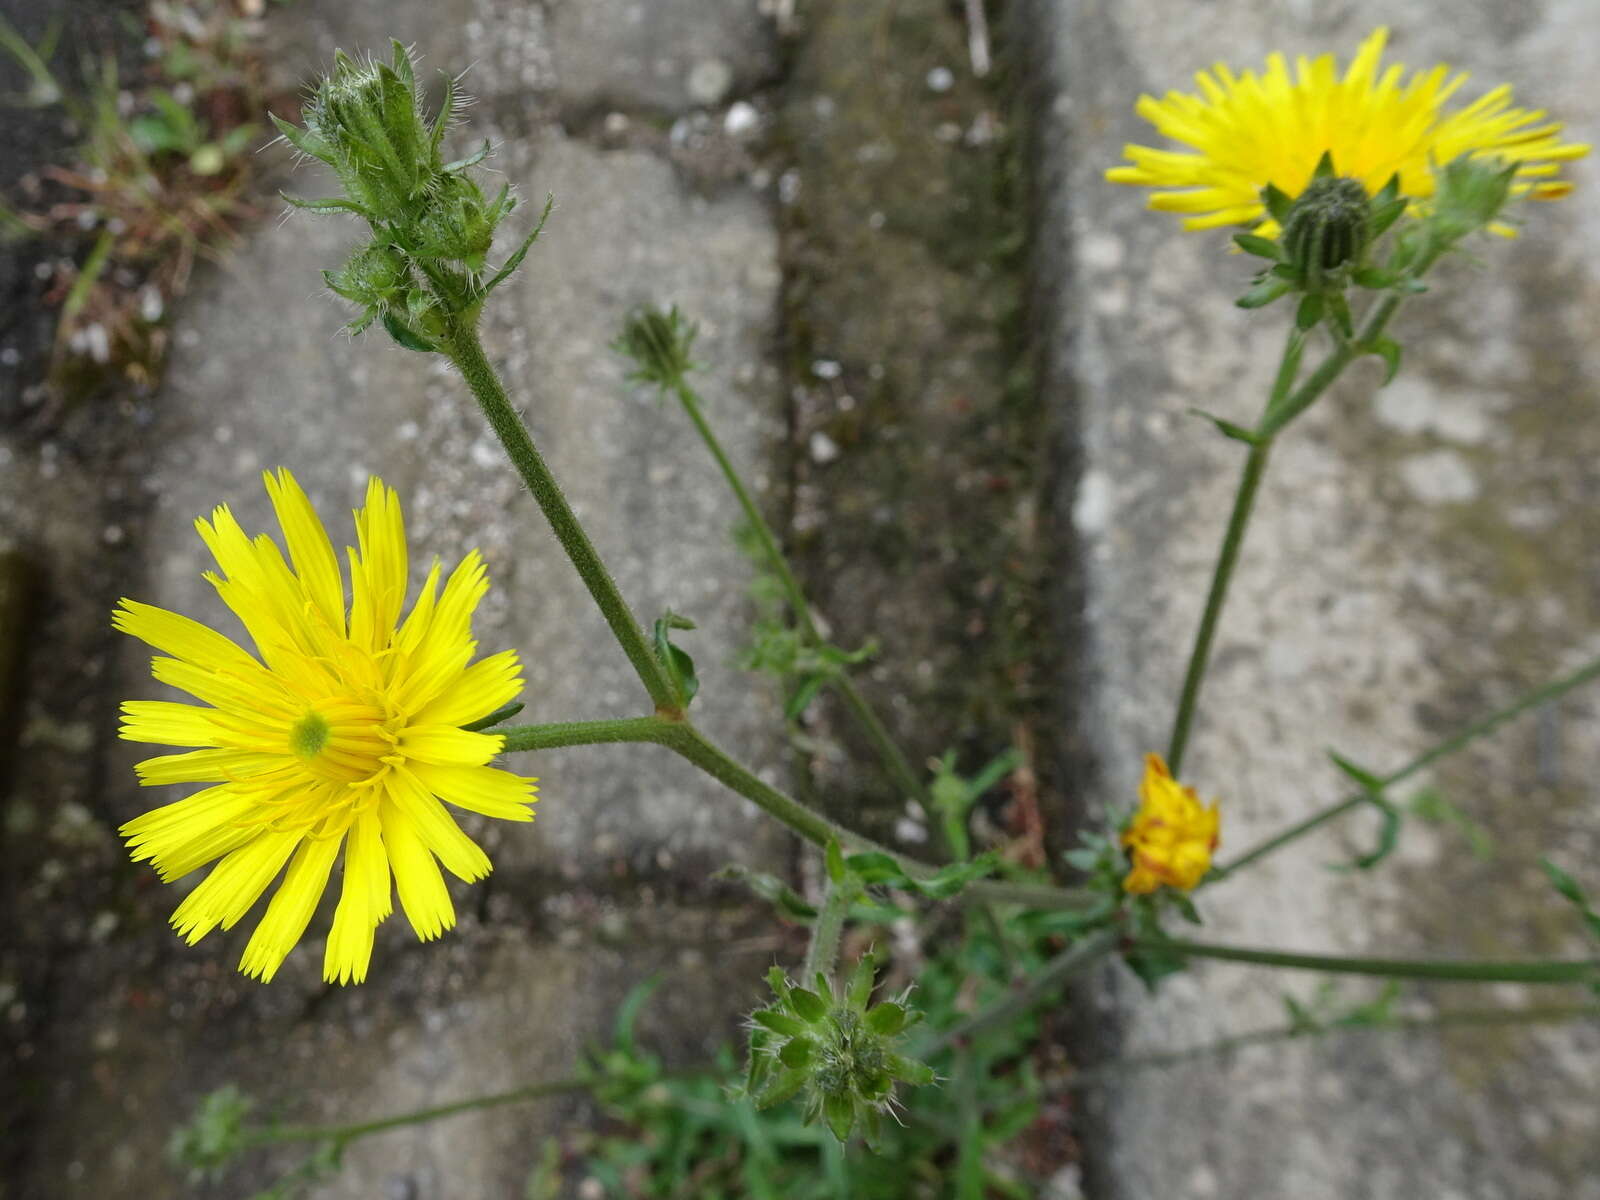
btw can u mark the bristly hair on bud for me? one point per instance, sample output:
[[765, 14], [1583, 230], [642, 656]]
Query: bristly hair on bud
[[1328, 229], [658, 341], [840, 1052], [432, 225]]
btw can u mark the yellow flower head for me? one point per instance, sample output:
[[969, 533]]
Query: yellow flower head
[[343, 729], [1171, 837], [1250, 130]]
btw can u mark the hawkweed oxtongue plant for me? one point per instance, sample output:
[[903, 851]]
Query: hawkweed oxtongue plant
[[350, 726], [1317, 167]]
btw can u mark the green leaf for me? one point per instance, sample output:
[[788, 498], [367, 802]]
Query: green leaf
[[628, 1012], [1564, 883], [1228, 429], [1301, 1019], [1277, 203], [679, 666], [909, 1070], [807, 1005], [1254, 243], [786, 1084], [1375, 278], [1431, 805], [835, 860], [1387, 349], [328, 204], [1384, 214], [521, 252], [304, 140], [840, 1113], [1324, 168], [1264, 292], [790, 904], [405, 336], [859, 989], [802, 696], [1339, 310], [498, 716], [1185, 907], [887, 1019], [1309, 312], [797, 1052], [779, 1023], [1364, 779], [471, 160], [878, 868]]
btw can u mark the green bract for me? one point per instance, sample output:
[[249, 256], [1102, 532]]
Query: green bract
[[839, 1052], [433, 227]]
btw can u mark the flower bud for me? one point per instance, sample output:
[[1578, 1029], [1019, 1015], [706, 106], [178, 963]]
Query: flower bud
[[1328, 228], [658, 342], [375, 276], [841, 1053], [1468, 196], [427, 270], [370, 116]]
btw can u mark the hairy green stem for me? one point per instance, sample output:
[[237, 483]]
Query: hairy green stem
[[1283, 405], [1450, 1019], [345, 1134], [466, 351], [684, 739], [822, 953], [883, 742], [1457, 970], [1074, 960], [1458, 741], [584, 733], [1200, 656]]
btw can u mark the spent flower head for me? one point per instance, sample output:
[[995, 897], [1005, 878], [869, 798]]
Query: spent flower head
[[345, 728], [426, 267], [840, 1052], [1171, 837], [1246, 132]]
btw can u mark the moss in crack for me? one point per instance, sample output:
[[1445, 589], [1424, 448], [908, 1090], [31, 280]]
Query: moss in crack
[[918, 455]]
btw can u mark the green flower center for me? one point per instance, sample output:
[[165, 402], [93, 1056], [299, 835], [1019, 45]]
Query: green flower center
[[309, 735]]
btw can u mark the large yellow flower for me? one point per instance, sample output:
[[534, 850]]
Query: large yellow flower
[[343, 729], [1250, 130], [1171, 837]]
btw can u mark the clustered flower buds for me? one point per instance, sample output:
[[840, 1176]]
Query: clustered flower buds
[[432, 225], [841, 1053]]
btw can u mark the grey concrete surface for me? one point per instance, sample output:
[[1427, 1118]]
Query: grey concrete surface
[[1421, 555]]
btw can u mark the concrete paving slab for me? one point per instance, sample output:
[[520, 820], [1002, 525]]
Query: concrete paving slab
[[667, 55], [1421, 556]]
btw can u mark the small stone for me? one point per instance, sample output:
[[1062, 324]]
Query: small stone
[[741, 119], [709, 81], [616, 123], [1092, 508], [824, 449], [826, 368], [941, 79]]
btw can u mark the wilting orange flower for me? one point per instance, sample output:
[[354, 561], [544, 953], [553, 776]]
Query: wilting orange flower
[[1171, 837]]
